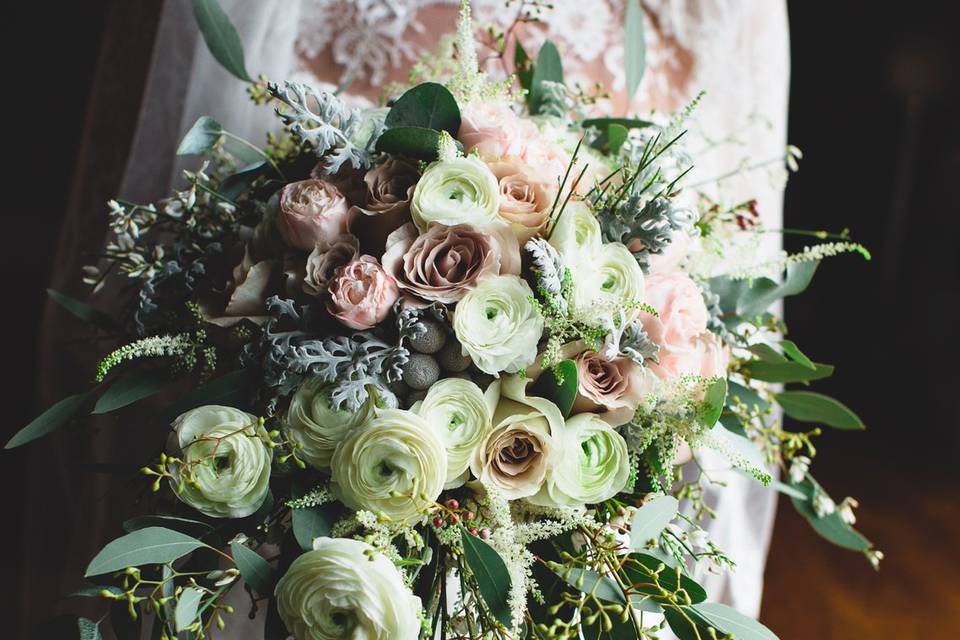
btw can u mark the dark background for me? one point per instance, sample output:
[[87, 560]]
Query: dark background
[[874, 107]]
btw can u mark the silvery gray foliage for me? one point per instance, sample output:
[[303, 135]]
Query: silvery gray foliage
[[636, 344], [715, 322], [548, 267], [337, 133], [290, 351], [555, 101], [651, 221]]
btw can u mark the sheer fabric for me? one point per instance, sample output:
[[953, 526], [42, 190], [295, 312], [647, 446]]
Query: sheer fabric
[[734, 50]]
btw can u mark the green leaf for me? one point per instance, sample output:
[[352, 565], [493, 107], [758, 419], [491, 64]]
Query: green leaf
[[793, 352], [831, 527], [746, 395], [232, 390], [413, 142], [130, 388], [221, 37], [808, 406], [94, 591], [50, 420], [183, 525], [89, 630], [548, 68], [427, 106], [558, 384], [311, 522], [606, 123], [640, 572], [491, 575], [82, 310], [591, 582], [239, 181], [634, 47], [766, 353], [616, 136], [713, 401], [731, 621], [651, 519], [186, 611], [686, 623], [786, 371], [255, 571], [153, 545], [201, 137], [732, 424], [750, 298], [523, 66]]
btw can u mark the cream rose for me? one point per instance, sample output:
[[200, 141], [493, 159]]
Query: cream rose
[[228, 462], [312, 211], [525, 198], [362, 294], [519, 451], [606, 280], [317, 426], [458, 191], [459, 415], [613, 389], [394, 465], [344, 588], [445, 262], [498, 325], [592, 464]]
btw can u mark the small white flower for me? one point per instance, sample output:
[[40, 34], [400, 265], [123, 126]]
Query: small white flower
[[874, 556], [823, 505], [798, 469], [846, 507]]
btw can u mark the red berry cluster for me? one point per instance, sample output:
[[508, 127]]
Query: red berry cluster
[[453, 515]]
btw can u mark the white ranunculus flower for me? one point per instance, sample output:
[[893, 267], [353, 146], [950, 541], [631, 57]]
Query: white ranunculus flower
[[498, 325], [317, 426], [576, 232], [458, 191], [606, 279], [228, 461], [459, 415], [592, 464], [344, 589], [394, 465]]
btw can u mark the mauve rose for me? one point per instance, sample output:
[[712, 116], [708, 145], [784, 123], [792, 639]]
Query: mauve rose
[[613, 389], [312, 211], [445, 262], [494, 131], [387, 202], [325, 259], [251, 284], [525, 198], [681, 321], [362, 294]]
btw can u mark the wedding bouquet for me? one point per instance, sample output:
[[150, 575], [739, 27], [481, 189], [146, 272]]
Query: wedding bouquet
[[437, 366]]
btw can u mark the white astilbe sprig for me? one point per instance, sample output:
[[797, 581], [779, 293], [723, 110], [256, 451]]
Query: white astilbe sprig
[[335, 131], [813, 253]]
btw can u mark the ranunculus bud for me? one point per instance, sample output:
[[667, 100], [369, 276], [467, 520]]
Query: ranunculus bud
[[312, 211], [362, 294], [445, 262]]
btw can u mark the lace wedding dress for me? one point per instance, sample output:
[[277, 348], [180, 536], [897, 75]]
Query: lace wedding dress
[[734, 50]]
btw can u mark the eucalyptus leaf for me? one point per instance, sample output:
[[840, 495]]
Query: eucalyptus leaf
[[643, 566], [187, 605], [651, 519], [686, 623], [491, 575], [255, 571], [749, 298], [831, 526], [183, 525], [732, 424], [606, 123], [221, 37], [746, 395], [50, 420], [429, 106], [88, 629], [634, 47], [731, 621], [153, 545], [616, 136], [766, 353], [131, 387], [201, 137], [558, 384], [239, 181], [786, 371], [808, 406], [548, 68], [311, 522], [713, 401], [793, 352], [82, 310], [523, 66], [414, 142], [590, 582]]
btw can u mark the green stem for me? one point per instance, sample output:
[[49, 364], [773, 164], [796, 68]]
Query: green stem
[[258, 150]]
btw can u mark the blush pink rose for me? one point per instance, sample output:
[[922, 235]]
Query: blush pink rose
[[714, 356], [525, 198], [494, 131], [613, 389], [325, 259], [681, 320], [362, 294], [312, 211], [444, 263]]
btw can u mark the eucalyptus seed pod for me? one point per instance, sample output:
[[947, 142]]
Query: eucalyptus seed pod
[[420, 371], [431, 340]]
